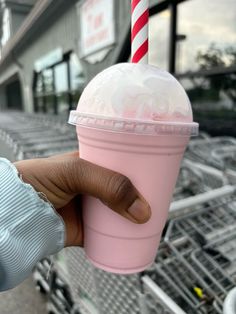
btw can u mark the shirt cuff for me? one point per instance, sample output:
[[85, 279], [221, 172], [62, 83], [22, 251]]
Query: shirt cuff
[[30, 229]]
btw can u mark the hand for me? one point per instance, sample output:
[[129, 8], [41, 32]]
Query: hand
[[64, 178]]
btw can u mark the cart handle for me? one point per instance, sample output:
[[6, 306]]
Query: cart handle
[[202, 198], [156, 291]]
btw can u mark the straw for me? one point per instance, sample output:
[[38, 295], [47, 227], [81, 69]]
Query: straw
[[139, 31]]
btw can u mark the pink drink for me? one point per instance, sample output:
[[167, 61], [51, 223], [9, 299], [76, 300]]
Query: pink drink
[[148, 150]]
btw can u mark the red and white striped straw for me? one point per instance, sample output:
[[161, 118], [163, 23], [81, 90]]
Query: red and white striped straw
[[139, 31]]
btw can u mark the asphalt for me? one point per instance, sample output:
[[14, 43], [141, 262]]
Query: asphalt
[[22, 300]]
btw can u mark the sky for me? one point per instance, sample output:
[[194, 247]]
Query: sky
[[203, 22]]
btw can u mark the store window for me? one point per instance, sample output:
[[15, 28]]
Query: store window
[[39, 84], [76, 72], [159, 29], [207, 32], [57, 89], [47, 77], [61, 79], [211, 92], [206, 60], [6, 27], [61, 87], [77, 79]]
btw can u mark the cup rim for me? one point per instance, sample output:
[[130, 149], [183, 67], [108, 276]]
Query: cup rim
[[134, 126]]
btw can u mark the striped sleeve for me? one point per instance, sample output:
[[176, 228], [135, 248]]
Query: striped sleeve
[[30, 229]]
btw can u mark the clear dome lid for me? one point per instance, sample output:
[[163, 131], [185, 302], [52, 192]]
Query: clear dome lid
[[132, 93]]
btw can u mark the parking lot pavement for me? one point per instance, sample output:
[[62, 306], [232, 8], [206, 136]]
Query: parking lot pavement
[[22, 300]]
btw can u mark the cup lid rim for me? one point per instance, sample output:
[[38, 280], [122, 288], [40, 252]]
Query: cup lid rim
[[133, 125]]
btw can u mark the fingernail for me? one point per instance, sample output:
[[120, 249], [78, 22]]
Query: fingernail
[[139, 210]]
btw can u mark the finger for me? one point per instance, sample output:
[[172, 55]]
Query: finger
[[72, 217], [112, 188]]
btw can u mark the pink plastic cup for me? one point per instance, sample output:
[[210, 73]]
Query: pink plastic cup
[[149, 153]]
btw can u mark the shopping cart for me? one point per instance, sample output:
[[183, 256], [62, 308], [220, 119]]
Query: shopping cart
[[46, 150], [208, 217], [201, 135], [194, 269], [201, 150], [157, 300], [50, 282], [228, 155], [98, 292], [187, 182], [204, 241], [31, 136], [195, 178], [194, 203], [205, 261], [230, 302], [41, 276], [223, 251], [175, 275]]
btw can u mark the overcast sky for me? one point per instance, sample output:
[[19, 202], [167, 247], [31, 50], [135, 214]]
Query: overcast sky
[[203, 22]]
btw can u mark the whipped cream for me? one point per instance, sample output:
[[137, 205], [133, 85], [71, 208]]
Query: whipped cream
[[136, 91]]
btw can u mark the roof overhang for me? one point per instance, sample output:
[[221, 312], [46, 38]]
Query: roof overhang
[[27, 26]]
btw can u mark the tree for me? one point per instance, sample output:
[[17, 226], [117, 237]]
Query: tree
[[216, 57]]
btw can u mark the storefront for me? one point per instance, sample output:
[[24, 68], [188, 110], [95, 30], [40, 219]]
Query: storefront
[[68, 42], [196, 41], [44, 57], [58, 83], [59, 47]]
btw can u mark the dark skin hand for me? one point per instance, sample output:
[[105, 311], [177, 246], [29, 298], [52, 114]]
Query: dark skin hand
[[64, 178]]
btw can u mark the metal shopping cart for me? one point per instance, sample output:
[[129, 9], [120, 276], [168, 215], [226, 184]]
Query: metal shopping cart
[[32, 136], [188, 181], [228, 155], [96, 291], [206, 240], [195, 178], [176, 283], [194, 268], [53, 284], [201, 150], [189, 288], [28, 136]]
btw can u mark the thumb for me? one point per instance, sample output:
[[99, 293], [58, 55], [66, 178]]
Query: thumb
[[113, 189]]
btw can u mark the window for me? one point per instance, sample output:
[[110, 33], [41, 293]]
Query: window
[[58, 88], [207, 34], [206, 61], [61, 79], [76, 73], [6, 26], [61, 87], [77, 79], [39, 84], [159, 28], [47, 77], [211, 92]]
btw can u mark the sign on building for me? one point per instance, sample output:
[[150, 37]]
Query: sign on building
[[97, 26]]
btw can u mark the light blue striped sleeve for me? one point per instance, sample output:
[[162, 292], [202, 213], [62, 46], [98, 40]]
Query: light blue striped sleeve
[[30, 229]]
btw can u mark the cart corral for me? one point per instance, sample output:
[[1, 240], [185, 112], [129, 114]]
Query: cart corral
[[195, 267]]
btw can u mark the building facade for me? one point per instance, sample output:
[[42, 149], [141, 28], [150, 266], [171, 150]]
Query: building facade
[[51, 48]]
